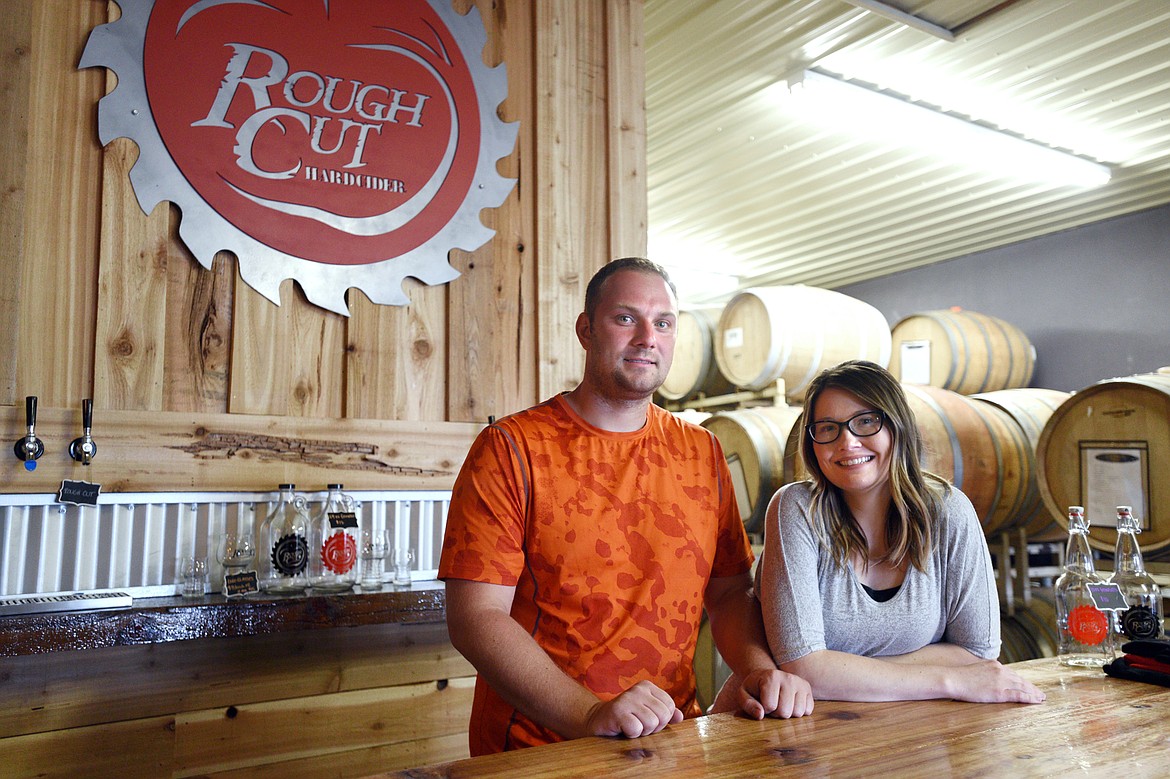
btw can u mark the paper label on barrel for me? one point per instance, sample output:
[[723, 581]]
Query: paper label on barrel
[[1115, 475], [733, 338], [915, 356]]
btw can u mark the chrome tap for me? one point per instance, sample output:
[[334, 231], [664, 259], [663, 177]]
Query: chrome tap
[[30, 447], [84, 448]]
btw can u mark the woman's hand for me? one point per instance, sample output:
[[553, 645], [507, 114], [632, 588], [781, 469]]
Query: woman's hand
[[988, 681]]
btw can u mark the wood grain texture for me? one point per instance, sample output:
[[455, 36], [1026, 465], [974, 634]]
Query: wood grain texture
[[1090, 723], [492, 354], [262, 348], [15, 55], [58, 300], [626, 85], [199, 334], [52, 691], [571, 119], [420, 751], [106, 301], [207, 741], [337, 702], [137, 748], [172, 451], [132, 287]]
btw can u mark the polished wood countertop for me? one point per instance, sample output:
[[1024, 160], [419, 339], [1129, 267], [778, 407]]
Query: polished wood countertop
[[159, 620], [1091, 724]]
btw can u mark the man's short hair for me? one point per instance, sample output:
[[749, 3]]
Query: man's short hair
[[640, 264]]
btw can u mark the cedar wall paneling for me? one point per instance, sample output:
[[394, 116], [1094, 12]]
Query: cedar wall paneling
[[103, 301]]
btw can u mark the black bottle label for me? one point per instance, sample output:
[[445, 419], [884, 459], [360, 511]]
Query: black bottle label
[[1139, 622], [290, 555]]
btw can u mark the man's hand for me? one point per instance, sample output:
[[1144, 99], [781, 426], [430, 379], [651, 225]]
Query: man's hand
[[775, 693], [639, 711]]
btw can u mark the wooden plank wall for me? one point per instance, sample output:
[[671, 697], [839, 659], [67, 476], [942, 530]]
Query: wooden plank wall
[[340, 702], [100, 300]]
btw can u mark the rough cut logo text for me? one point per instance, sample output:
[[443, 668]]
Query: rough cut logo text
[[336, 142]]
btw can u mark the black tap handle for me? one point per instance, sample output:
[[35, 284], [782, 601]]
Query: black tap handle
[[29, 448], [87, 414]]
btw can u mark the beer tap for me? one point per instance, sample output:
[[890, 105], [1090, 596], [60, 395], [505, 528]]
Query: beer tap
[[30, 447], [84, 448]]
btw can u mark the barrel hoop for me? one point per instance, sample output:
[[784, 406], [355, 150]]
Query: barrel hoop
[[1011, 354], [755, 435], [956, 351], [999, 464], [707, 338], [777, 359], [814, 367], [952, 436]]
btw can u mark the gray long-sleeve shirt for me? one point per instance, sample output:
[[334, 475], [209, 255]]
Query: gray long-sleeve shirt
[[810, 604]]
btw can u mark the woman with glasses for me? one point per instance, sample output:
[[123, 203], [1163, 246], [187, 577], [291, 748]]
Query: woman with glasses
[[876, 582]]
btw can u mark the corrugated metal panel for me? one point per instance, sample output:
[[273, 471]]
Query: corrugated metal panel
[[739, 186], [130, 542]]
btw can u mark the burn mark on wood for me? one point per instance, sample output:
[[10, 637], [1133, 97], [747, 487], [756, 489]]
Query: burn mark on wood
[[793, 755], [844, 715], [346, 455]]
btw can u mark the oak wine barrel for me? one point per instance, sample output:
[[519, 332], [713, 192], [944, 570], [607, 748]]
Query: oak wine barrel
[[794, 332], [978, 447], [1109, 445], [962, 351], [1030, 408], [753, 441], [694, 371]]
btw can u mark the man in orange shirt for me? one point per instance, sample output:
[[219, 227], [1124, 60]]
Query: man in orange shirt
[[587, 535]]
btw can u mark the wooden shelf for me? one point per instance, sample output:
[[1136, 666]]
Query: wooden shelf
[[161, 620]]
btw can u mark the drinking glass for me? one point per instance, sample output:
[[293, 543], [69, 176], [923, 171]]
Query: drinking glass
[[192, 577], [374, 547], [402, 557], [236, 552]]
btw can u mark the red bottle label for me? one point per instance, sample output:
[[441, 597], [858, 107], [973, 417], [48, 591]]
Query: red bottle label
[[339, 553], [1088, 625]]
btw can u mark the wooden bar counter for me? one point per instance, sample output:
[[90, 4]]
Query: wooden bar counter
[[302, 687], [163, 620], [1090, 725]]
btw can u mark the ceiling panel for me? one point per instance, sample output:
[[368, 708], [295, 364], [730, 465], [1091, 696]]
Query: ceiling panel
[[746, 191]]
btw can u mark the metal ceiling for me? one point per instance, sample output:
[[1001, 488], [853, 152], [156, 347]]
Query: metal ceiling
[[743, 193]]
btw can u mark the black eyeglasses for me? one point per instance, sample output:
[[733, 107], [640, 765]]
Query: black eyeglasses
[[862, 425]]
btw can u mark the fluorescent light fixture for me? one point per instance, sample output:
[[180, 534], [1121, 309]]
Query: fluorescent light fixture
[[844, 104]]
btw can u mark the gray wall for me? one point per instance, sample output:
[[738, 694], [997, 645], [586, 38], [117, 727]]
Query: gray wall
[[1094, 301]]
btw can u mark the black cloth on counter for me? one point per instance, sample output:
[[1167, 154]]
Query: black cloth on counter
[[1145, 660]]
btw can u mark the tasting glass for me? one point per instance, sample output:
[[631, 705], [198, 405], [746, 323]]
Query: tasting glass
[[236, 552], [401, 558], [375, 545], [192, 574]]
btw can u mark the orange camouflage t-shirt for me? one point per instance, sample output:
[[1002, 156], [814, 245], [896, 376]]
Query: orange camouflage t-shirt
[[610, 540]]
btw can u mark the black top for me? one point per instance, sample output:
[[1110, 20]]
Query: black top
[[881, 596]]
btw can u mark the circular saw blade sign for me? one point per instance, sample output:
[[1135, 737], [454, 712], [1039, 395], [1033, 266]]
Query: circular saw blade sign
[[340, 143]]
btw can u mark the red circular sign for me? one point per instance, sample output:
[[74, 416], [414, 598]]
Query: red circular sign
[[1088, 625], [343, 133], [339, 553]]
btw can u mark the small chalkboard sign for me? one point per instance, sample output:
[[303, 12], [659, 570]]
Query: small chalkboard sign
[[342, 519], [237, 585], [79, 493], [1107, 597]]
